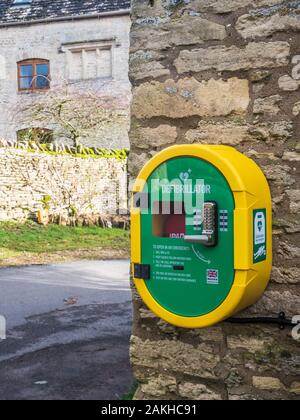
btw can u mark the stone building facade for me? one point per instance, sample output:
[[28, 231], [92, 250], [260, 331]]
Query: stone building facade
[[85, 46], [222, 72]]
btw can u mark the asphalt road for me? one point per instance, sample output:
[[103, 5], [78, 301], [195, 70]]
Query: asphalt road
[[68, 330]]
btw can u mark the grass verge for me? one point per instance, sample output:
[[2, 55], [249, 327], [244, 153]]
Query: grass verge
[[30, 238], [130, 395]]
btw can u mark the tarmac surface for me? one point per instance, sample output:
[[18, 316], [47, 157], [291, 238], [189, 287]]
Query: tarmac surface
[[67, 331]]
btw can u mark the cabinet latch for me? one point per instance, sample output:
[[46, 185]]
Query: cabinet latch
[[142, 271]]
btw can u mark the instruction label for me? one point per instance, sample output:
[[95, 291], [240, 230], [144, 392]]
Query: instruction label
[[165, 257], [260, 235]]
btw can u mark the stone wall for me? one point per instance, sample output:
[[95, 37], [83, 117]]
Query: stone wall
[[54, 41], [222, 71], [83, 188]]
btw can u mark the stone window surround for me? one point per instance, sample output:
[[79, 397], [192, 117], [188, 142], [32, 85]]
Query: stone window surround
[[102, 44]]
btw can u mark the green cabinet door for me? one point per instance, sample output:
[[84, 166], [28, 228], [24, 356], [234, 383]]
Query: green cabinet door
[[187, 279]]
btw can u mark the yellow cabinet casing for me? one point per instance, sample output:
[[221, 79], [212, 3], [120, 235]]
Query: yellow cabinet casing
[[195, 280]]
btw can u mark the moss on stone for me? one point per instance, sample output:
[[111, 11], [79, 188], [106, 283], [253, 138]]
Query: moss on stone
[[61, 150]]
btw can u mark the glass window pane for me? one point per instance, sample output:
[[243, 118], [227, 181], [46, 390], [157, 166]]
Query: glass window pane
[[26, 70], [42, 69], [26, 83], [42, 82]]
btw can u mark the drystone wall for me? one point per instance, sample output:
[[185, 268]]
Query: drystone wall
[[84, 189], [222, 72]]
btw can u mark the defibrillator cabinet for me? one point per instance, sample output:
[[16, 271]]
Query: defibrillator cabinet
[[201, 234]]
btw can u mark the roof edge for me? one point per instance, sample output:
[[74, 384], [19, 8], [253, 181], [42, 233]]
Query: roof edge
[[66, 18]]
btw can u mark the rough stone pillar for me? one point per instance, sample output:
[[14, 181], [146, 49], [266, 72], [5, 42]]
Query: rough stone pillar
[[222, 71]]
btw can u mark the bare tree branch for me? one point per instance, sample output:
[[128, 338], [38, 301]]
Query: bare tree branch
[[72, 113]]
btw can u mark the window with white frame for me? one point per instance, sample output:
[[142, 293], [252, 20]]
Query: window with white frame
[[89, 61]]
